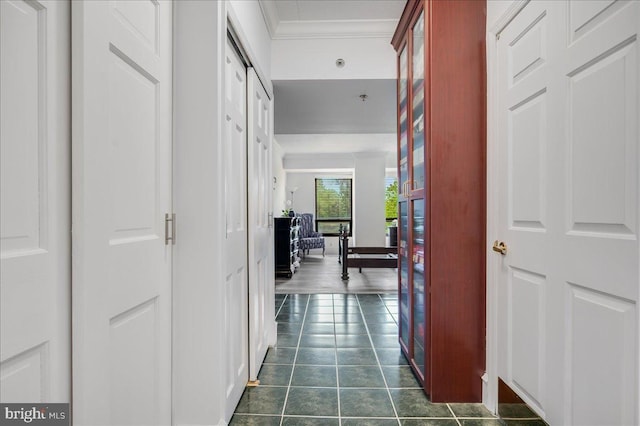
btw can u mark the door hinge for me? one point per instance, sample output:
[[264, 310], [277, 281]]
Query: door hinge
[[169, 218]]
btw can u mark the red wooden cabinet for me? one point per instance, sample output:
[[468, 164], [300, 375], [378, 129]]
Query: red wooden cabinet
[[442, 184]]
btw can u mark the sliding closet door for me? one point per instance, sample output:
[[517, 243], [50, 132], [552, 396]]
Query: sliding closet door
[[236, 342], [262, 325]]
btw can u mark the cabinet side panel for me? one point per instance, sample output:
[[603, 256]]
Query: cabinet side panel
[[458, 199]]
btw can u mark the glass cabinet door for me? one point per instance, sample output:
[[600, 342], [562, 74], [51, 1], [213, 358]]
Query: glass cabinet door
[[417, 87], [403, 97], [403, 258], [418, 269]]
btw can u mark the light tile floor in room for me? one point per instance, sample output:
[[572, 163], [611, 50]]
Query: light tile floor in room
[[338, 362]]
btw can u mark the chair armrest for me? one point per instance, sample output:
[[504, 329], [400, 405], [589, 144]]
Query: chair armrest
[[315, 234]]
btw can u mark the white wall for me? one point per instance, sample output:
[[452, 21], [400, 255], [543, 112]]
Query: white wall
[[315, 59], [254, 31], [369, 190], [198, 297], [330, 161], [338, 142]]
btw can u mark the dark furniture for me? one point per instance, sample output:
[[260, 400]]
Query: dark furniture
[[366, 257], [309, 239], [441, 205], [286, 231]]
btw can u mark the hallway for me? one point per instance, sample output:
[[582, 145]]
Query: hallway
[[338, 362]]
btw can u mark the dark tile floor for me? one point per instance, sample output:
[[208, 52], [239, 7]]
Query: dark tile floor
[[338, 362]]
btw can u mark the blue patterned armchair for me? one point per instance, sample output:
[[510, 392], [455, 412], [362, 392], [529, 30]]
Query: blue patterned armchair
[[309, 239]]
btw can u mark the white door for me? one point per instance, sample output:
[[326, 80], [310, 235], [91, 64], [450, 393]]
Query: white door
[[236, 290], [568, 96], [262, 326], [122, 59], [35, 271]]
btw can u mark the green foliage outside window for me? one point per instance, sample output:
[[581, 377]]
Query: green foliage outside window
[[333, 205], [333, 198], [391, 200]]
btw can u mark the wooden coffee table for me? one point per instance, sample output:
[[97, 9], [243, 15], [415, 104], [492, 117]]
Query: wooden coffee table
[[366, 257]]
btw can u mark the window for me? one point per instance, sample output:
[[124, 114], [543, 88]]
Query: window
[[390, 200], [333, 205]]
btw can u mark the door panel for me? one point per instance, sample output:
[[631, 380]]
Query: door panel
[[602, 185], [261, 262], [122, 159], [35, 251], [523, 107], [601, 216], [568, 173], [601, 326], [236, 275], [527, 122], [526, 315]]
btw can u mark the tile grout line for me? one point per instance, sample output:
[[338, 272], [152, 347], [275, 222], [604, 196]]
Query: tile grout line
[[335, 351], [293, 366], [453, 414], [394, 316], [282, 304], [375, 353]]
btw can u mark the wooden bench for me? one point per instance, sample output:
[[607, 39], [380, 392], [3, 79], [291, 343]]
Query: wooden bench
[[366, 257]]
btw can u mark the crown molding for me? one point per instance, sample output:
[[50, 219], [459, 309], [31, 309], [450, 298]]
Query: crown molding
[[270, 15], [287, 30], [291, 30]]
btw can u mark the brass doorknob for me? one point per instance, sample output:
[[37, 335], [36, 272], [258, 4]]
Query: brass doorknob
[[500, 247]]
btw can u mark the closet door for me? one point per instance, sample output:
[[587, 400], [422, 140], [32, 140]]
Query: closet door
[[35, 277], [262, 326], [568, 107], [122, 171], [236, 244]]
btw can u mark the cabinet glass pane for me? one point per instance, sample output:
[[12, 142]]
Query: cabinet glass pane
[[403, 253], [418, 103], [404, 117], [417, 264]]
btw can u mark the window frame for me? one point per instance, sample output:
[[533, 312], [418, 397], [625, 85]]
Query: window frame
[[318, 220]]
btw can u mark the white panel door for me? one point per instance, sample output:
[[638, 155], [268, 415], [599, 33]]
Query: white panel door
[[236, 276], [568, 96], [35, 271], [262, 326], [122, 59]]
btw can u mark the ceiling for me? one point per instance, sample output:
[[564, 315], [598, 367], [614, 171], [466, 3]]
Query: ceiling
[[333, 106], [315, 10]]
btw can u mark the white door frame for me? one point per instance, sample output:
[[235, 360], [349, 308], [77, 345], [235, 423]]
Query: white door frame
[[198, 362], [490, 385]]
